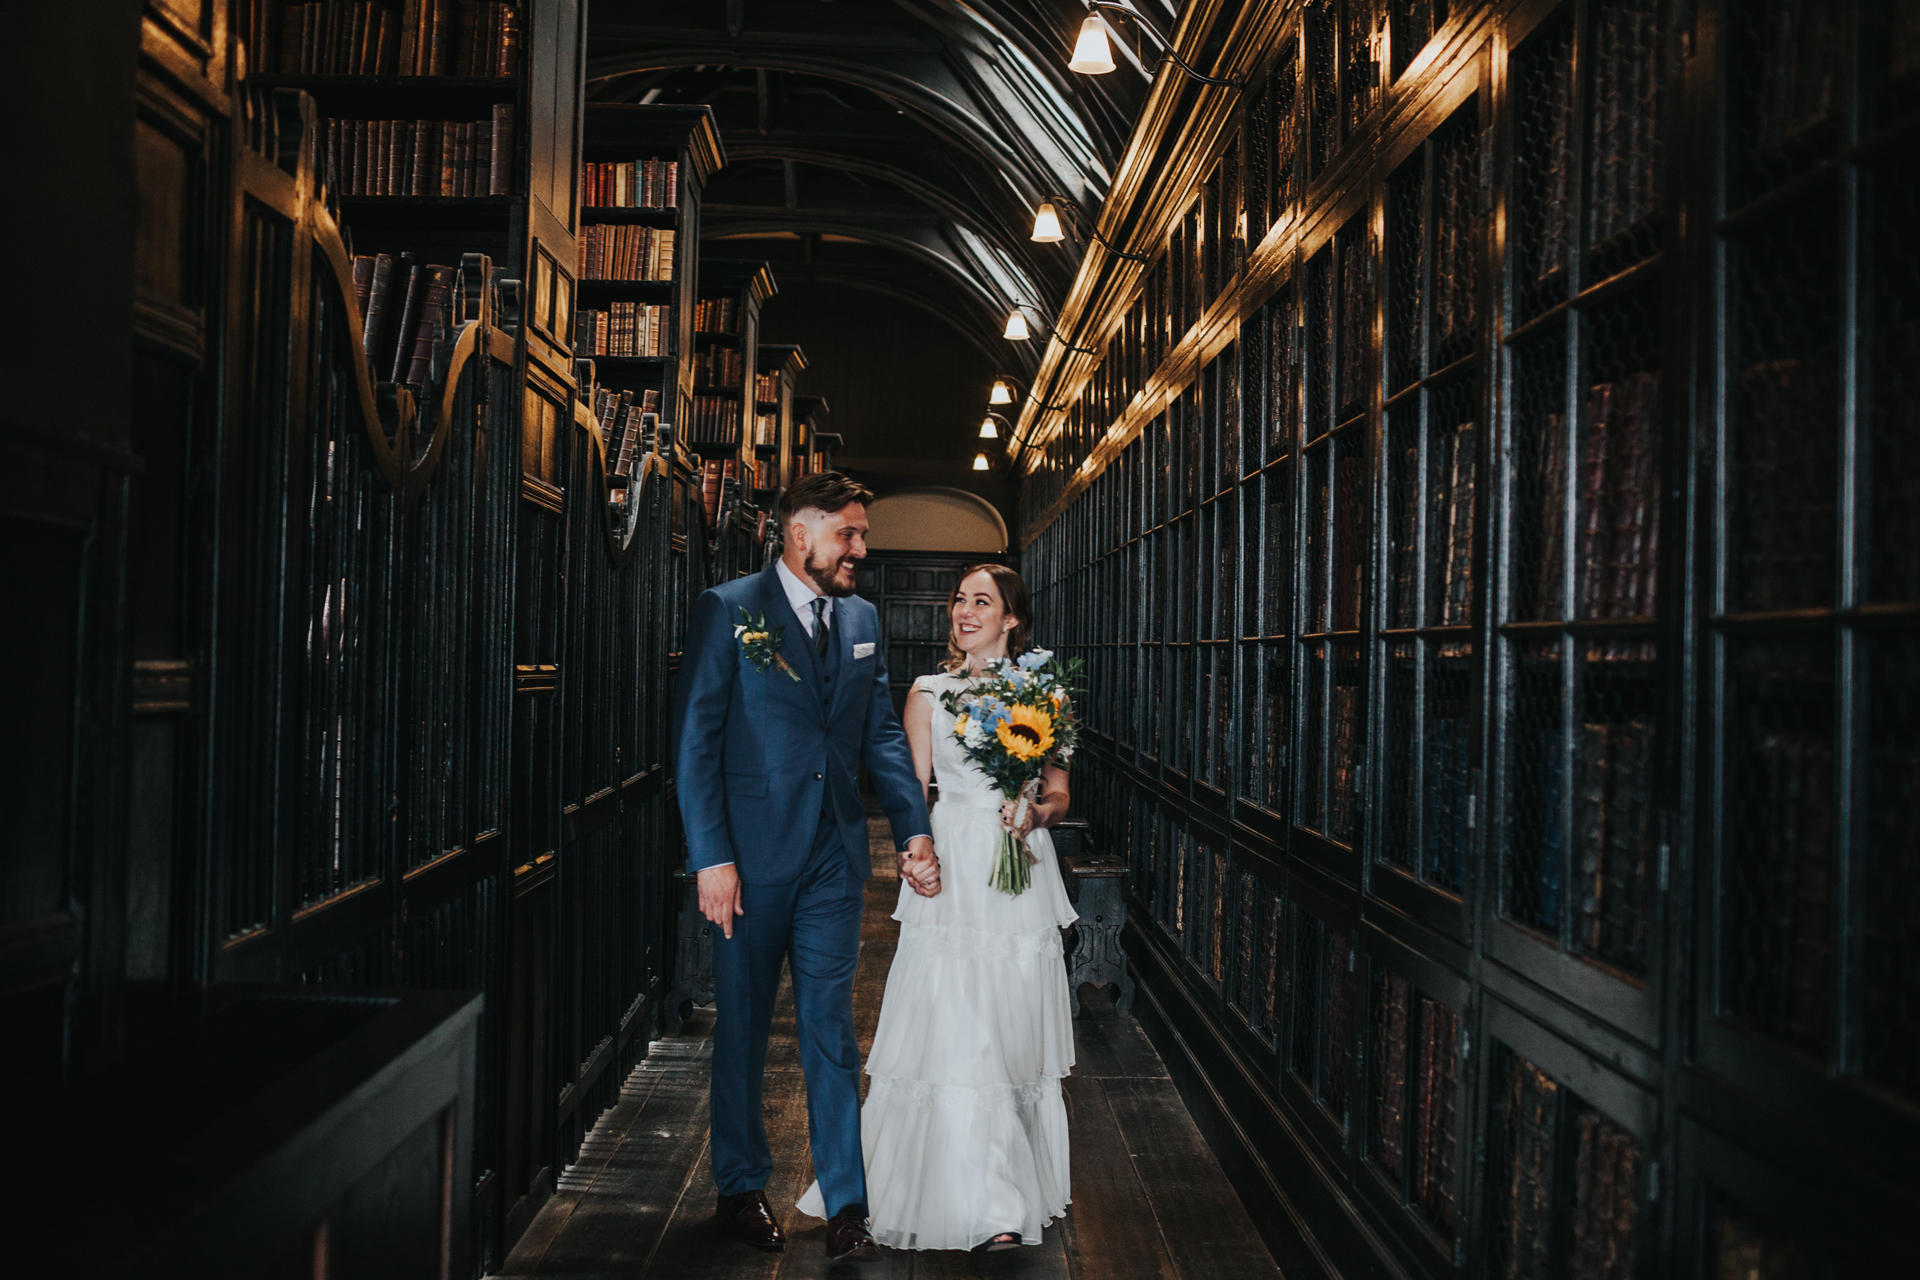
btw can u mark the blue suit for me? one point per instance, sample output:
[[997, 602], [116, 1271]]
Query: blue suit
[[767, 773]]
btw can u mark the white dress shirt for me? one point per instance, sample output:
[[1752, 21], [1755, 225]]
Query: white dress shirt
[[801, 595]]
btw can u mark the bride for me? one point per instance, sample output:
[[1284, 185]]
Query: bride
[[964, 1127]]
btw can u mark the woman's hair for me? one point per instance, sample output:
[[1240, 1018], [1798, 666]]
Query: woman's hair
[[1014, 597]]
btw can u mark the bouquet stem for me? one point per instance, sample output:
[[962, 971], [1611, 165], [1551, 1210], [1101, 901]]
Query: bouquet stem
[[1013, 869]]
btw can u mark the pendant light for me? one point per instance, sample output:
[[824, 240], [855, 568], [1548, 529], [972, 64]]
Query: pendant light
[[1046, 224], [1001, 394], [987, 430], [1016, 327], [980, 462], [1092, 55]]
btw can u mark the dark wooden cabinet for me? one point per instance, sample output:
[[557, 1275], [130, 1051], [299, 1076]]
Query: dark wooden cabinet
[[1495, 671]]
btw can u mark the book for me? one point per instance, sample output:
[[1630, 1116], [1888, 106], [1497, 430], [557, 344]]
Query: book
[[500, 162], [415, 301], [1529, 1111], [1619, 500], [1606, 1168], [363, 265], [386, 299], [1431, 1176], [1392, 996], [1455, 534], [431, 325]]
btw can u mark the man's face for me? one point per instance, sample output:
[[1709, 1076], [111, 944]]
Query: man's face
[[832, 545]]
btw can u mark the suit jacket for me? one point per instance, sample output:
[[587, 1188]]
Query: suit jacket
[[759, 756]]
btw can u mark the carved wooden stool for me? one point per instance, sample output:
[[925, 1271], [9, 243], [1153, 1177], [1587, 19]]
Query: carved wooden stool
[[1097, 884]]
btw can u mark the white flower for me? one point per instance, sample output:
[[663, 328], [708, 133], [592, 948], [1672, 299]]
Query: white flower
[[975, 735], [739, 630]]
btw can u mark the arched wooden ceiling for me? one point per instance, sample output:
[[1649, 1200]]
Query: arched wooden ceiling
[[899, 147]]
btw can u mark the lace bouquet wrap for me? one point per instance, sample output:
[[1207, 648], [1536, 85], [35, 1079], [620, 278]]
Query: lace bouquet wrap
[[1012, 722]]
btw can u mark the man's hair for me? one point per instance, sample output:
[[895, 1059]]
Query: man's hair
[[827, 491]]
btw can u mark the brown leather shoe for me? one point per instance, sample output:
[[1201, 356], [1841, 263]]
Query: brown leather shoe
[[847, 1238], [748, 1218]]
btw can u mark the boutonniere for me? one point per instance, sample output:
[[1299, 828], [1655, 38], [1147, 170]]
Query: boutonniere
[[760, 643]]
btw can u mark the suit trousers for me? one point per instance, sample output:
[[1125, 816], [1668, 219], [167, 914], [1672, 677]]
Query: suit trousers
[[812, 922]]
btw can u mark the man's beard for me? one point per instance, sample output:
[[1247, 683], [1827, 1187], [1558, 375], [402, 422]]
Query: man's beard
[[826, 576]]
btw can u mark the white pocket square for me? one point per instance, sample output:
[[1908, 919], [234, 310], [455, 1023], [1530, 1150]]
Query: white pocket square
[[862, 651]]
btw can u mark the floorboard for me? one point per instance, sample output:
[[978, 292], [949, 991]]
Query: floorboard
[[1150, 1202]]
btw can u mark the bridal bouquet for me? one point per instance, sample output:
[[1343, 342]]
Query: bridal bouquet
[[1012, 723]]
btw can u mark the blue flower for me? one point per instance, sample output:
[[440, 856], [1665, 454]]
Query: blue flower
[[1034, 659]]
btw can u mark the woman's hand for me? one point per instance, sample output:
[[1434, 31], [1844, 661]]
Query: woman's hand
[[920, 868], [1017, 822]]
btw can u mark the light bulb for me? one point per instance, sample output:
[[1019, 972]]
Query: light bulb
[[1046, 224], [987, 430], [980, 462], [1092, 55], [1001, 394], [1016, 327]]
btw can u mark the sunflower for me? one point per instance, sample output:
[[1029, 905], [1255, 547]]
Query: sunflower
[[1027, 733]]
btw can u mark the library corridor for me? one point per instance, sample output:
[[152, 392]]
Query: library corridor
[[481, 480]]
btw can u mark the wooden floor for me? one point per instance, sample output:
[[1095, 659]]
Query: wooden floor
[[1148, 1198]]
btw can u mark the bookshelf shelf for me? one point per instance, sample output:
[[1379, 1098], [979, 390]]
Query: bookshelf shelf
[[400, 97], [662, 289], [621, 215], [440, 205]]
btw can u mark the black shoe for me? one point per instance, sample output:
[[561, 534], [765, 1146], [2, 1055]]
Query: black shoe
[[847, 1238], [748, 1218]]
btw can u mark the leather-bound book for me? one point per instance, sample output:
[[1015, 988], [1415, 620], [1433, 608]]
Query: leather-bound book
[[500, 168], [379, 291], [362, 282], [465, 40], [431, 323], [421, 158], [400, 349], [509, 53], [387, 58], [410, 45], [442, 39]]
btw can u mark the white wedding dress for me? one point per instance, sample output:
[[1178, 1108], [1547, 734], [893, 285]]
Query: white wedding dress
[[964, 1127]]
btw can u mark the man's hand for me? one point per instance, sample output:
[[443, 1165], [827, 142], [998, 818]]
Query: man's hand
[[720, 896], [921, 866]]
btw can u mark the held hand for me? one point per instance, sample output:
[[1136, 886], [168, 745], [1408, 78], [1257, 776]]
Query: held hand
[[1017, 822], [921, 867], [720, 896]]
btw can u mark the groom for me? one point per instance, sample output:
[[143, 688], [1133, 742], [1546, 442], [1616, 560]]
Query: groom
[[782, 695]]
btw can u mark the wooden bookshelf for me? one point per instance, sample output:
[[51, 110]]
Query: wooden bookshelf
[[634, 134], [779, 371], [726, 345], [809, 418]]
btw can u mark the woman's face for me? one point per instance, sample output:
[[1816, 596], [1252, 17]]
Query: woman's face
[[980, 618]]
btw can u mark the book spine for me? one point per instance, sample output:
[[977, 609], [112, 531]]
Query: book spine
[[445, 25], [373, 332], [409, 38], [502, 165], [439, 289], [389, 63], [362, 285], [402, 361], [509, 42]]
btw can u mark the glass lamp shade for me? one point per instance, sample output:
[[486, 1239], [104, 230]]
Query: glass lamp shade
[[987, 430], [1092, 55], [1046, 224], [1001, 393], [980, 462], [1016, 327]]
